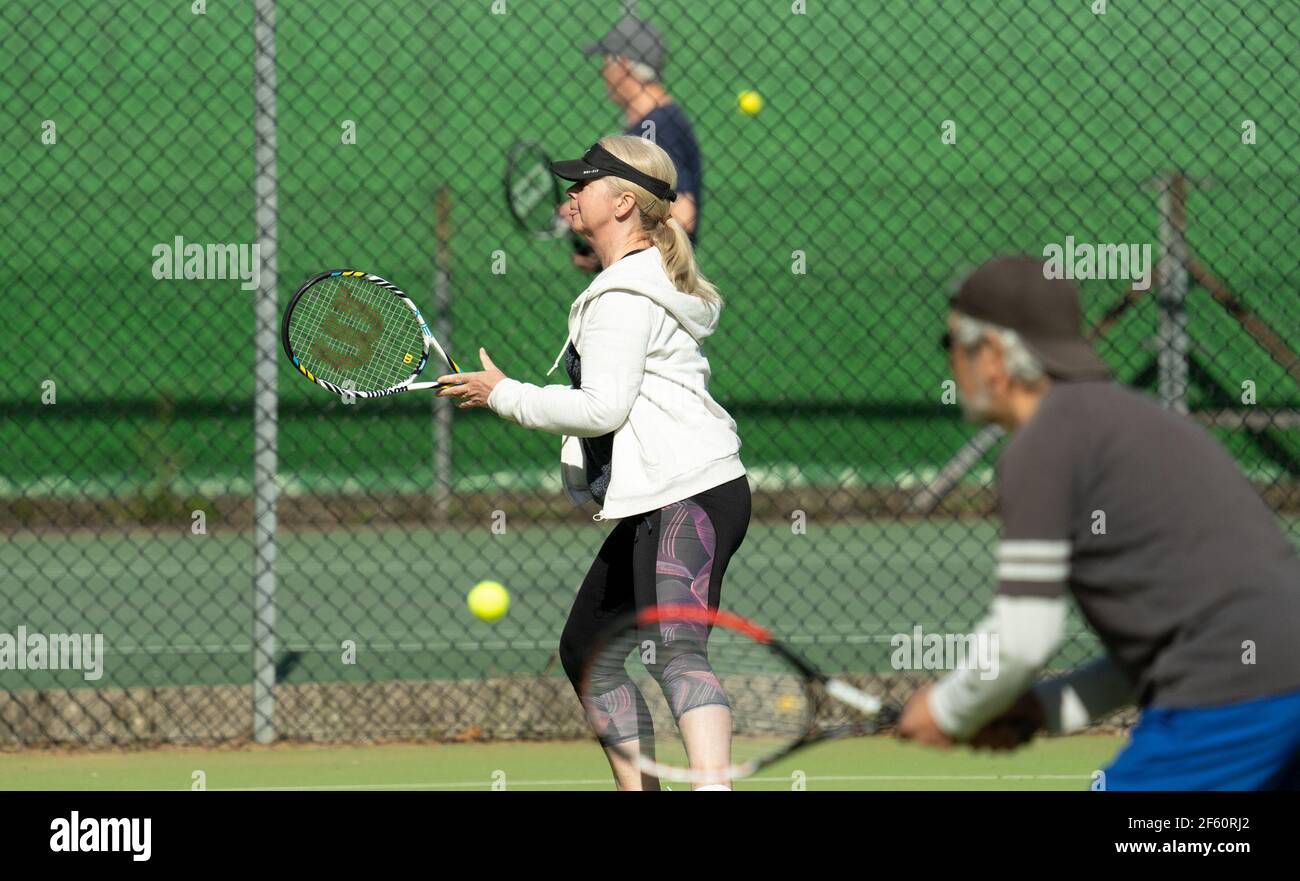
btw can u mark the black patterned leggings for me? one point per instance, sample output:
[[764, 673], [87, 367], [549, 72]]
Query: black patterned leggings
[[675, 555]]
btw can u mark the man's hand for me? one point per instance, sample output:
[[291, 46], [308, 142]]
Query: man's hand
[[472, 388], [1014, 728], [684, 211], [586, 262], [916, 722]]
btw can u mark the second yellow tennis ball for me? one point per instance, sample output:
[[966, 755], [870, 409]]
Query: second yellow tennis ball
[[750, 102], [488, 600]]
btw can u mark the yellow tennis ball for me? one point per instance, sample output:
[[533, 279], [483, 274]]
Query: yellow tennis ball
[[750, 102], [488, 600]]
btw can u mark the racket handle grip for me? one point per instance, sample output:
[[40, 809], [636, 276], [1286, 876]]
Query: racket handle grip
[[854, 697], [420, 386]]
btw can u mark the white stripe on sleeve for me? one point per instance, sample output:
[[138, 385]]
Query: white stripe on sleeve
[[1036, 551], [1028, 630], [1048, 572]]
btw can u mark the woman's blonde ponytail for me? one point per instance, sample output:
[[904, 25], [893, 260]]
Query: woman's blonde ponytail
[[667, 234]]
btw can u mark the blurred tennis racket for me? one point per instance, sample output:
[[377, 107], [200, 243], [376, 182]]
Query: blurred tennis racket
[[533, 192], [355, 333], [778, 702]]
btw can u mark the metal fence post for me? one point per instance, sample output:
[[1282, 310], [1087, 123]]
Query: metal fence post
[[265, 400]]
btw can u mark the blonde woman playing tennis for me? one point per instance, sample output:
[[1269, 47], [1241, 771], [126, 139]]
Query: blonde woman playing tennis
[[643, 438]]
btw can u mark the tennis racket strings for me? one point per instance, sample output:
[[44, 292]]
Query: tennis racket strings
[[533, 194], [690, 694], [532, 191], [356, 333]]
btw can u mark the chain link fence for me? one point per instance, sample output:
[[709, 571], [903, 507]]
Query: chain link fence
[[247, 556]]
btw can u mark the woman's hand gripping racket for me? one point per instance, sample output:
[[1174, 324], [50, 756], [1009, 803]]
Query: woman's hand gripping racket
[[698, 695], [355, 333], [533, 193]]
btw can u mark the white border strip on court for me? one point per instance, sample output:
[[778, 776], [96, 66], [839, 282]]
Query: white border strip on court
[[511, 783]]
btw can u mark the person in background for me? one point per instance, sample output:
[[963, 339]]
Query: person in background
[[632, 63]]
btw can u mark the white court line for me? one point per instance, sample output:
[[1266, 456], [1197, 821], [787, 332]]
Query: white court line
[[474, 784]]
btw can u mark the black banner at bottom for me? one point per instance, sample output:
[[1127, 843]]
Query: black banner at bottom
[[568, 831]]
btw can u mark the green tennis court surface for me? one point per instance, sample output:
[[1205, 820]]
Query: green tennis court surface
[[838, 593], [877, 763]]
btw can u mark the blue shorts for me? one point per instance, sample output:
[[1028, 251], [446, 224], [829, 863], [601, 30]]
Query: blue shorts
[[1253, 744]]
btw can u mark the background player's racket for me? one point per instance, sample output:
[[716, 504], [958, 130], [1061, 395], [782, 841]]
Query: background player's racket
[[533, 192], [778, 702], [356, 333]]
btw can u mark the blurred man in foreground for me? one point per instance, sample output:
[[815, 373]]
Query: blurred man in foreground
[[1146, 521]]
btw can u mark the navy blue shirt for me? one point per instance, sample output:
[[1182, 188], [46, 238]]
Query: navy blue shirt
[[672, 131]]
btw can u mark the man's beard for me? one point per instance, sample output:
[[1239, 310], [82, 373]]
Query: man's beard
[[975, 407]]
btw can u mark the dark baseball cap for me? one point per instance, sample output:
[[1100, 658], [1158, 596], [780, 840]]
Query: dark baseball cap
[[599, 162], [1013, 292], [633, 39]]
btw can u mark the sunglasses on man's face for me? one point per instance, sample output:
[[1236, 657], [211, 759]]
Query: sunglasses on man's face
[[949, 343]]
